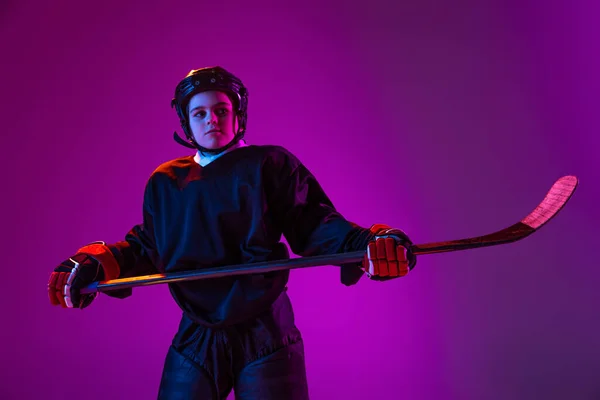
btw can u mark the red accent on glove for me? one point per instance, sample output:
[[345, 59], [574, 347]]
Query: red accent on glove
[[102, 254], [375, 228], [56, 286]]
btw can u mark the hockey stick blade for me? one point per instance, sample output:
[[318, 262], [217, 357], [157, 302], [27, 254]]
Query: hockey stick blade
[[555, 200]]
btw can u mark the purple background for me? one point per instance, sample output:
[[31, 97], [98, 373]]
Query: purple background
[[446, 119]]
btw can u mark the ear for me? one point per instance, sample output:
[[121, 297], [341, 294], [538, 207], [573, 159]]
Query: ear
[[236, 123]]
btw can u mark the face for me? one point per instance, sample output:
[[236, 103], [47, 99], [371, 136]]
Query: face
[[212, 119]]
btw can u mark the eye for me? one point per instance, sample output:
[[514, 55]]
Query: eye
[[200, 114], [222, 111]]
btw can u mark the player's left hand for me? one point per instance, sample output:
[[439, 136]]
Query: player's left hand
[[388, 255], [70, 277]]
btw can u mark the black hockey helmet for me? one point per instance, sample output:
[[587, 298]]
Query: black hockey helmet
[[202, 80]]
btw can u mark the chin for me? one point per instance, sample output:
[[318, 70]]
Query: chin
[[214, 144]]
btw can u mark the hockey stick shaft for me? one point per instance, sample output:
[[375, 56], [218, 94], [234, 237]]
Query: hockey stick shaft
[[554, 201], [270, 266]]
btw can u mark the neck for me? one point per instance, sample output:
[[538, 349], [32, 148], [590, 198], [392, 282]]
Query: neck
[[205, 159]]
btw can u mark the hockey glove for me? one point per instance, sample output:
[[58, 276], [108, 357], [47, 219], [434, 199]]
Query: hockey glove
[[90, 264], [388, 255]]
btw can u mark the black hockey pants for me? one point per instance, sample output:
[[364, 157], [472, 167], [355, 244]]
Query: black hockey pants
[[261, 359]]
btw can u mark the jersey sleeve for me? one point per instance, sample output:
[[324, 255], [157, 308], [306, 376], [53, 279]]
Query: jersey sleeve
[[307, 217]]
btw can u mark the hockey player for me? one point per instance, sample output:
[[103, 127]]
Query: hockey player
[[230, 203]]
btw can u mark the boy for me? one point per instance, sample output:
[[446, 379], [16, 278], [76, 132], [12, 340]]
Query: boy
[[230, 203]]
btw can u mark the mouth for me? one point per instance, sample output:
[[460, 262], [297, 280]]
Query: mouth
[[212, 131]]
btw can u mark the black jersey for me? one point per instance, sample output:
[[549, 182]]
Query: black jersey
[[232, 211]]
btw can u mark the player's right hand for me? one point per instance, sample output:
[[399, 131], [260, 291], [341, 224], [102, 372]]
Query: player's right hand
[[69, 277]]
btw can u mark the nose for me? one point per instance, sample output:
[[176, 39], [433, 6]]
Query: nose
[[212, 120]]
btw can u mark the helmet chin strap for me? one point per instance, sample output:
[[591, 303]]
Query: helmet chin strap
[[233, 141], [182, 142]]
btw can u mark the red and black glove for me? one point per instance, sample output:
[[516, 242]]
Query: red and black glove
[[91, 263], [388, 255]]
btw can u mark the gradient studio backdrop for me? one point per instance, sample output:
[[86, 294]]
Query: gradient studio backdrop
[[447, 119]]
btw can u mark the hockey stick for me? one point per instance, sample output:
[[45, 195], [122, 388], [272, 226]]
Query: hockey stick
[[555, 200]]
